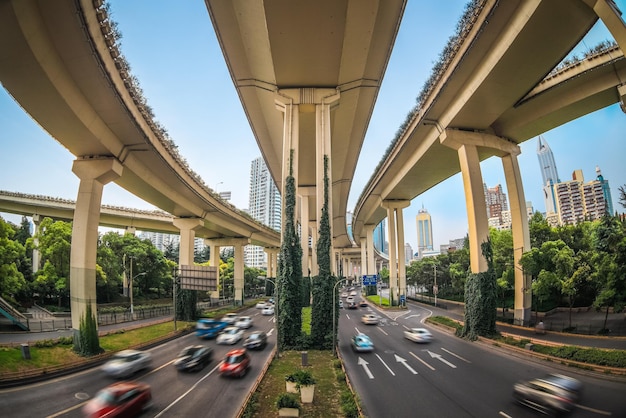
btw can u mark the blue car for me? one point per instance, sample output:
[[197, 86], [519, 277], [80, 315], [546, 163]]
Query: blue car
[[209, 328], [362, 343]]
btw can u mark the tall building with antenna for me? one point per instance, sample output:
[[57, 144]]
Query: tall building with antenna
[[424, 232], [549, 174]]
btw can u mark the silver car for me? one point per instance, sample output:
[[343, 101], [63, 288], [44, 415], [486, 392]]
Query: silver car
[[418, 335], [126, 363], [554, 393]]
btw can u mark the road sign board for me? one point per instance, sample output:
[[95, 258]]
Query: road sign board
[[369, 280]]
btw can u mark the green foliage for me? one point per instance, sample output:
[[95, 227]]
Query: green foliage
[[287, 400], [86, 341], [349, 407], [11, 253], [322, 309], [186, 304], [302, 377], [481, 300], [289, 280]]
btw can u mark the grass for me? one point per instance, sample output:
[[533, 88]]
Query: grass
[[330, 388]]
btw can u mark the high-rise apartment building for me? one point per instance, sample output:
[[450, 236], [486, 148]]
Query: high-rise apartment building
[[380, 243], [495, 200], [424, 232], [264, 206]]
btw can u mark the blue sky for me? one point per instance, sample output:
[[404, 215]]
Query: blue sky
[[172, 50]]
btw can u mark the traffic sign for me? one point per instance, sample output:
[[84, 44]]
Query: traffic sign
[[369, 280]]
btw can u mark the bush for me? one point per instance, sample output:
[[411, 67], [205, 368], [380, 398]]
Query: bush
[[287, 400], [303, 378], [348, 405]]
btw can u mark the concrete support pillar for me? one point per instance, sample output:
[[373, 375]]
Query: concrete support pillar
[[291, 118], [188, 228], [130, 230], [36, 252], [370, 266], [363, 256], [271, 261], [214, 261], [521, 238], [305, 215], [93, 173], [397, 266], [238, 274]]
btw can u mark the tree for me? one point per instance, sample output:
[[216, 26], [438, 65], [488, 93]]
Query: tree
[[622, 195], [11, 252], [322, 309], [540, 230], [54, 243], [289, 277]]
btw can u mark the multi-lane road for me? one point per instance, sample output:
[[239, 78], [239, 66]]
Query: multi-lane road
[[449, 377], [175, 394]]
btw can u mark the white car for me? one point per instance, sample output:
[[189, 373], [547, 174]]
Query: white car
[[261, 305], [230, 335], [369, 319], [418, 335], [350, 299], [126, 363], [244, 322], [268, 310], [230, 318], [344, 295]]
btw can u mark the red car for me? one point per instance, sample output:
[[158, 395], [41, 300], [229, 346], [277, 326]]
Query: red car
[[121, 399], [236, 363]]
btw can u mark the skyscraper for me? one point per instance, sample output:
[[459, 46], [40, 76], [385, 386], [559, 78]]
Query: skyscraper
[[424, 231], [264, 206], [495, 200], [549, 174]]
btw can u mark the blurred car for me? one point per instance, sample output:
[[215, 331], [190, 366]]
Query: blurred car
[[552, 394], [244, 322], [418, 335], [260, 305], [340, 304], [235, 363], [363, 303], [350, 299], [194, 357], [268, 310], [369, 319], [230, 318], [126, 363], [352, 305], [255, 340], [121, 399], [209, 328], [230, 335], [362, 343], [353, 293], [344, 295]]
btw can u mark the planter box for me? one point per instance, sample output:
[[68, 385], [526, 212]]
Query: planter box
[[288, 412], [306, 393], [291, 387]]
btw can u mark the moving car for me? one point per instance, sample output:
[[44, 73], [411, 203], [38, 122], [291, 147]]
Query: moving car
[[369, 319], [350, 299], [194, 357], [255, 340], [362, 343], [244, 322], [230, 335], [418, 335], [553, 394], [344, 295], [121, 399], [209, 328], [363, 303], [340, 304], [261, 305], [236, 363], [126, 363], [352, 305], [230, 318], [268, 310]]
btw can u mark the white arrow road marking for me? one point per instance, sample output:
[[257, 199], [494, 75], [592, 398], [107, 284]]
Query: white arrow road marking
[[441, 359], [270, 332], [412, 316], [364, 363], [456, 355], [422, 361], [385, 364], [404, 363]]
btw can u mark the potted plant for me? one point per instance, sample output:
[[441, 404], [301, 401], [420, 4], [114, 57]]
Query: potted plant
[[288, 405], [306, 385], [290, 383]]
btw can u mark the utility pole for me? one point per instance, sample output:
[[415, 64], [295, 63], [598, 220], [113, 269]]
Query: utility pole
[[435, 288]]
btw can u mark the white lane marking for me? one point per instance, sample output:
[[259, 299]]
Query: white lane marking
[[404, 363], [186, 393], [422, 361], [412, 316], [270, 332], [381, 330], [441, 359], [385, 364], [364, 363], [502, 414], [597, 411], [456, 355]]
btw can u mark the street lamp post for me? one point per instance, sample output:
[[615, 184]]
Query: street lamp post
[[334, 320], [132, 309]]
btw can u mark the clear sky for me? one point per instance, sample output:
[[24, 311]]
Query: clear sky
[[172, 50]]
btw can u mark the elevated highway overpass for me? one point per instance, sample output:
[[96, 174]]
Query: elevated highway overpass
[[495, 91]]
